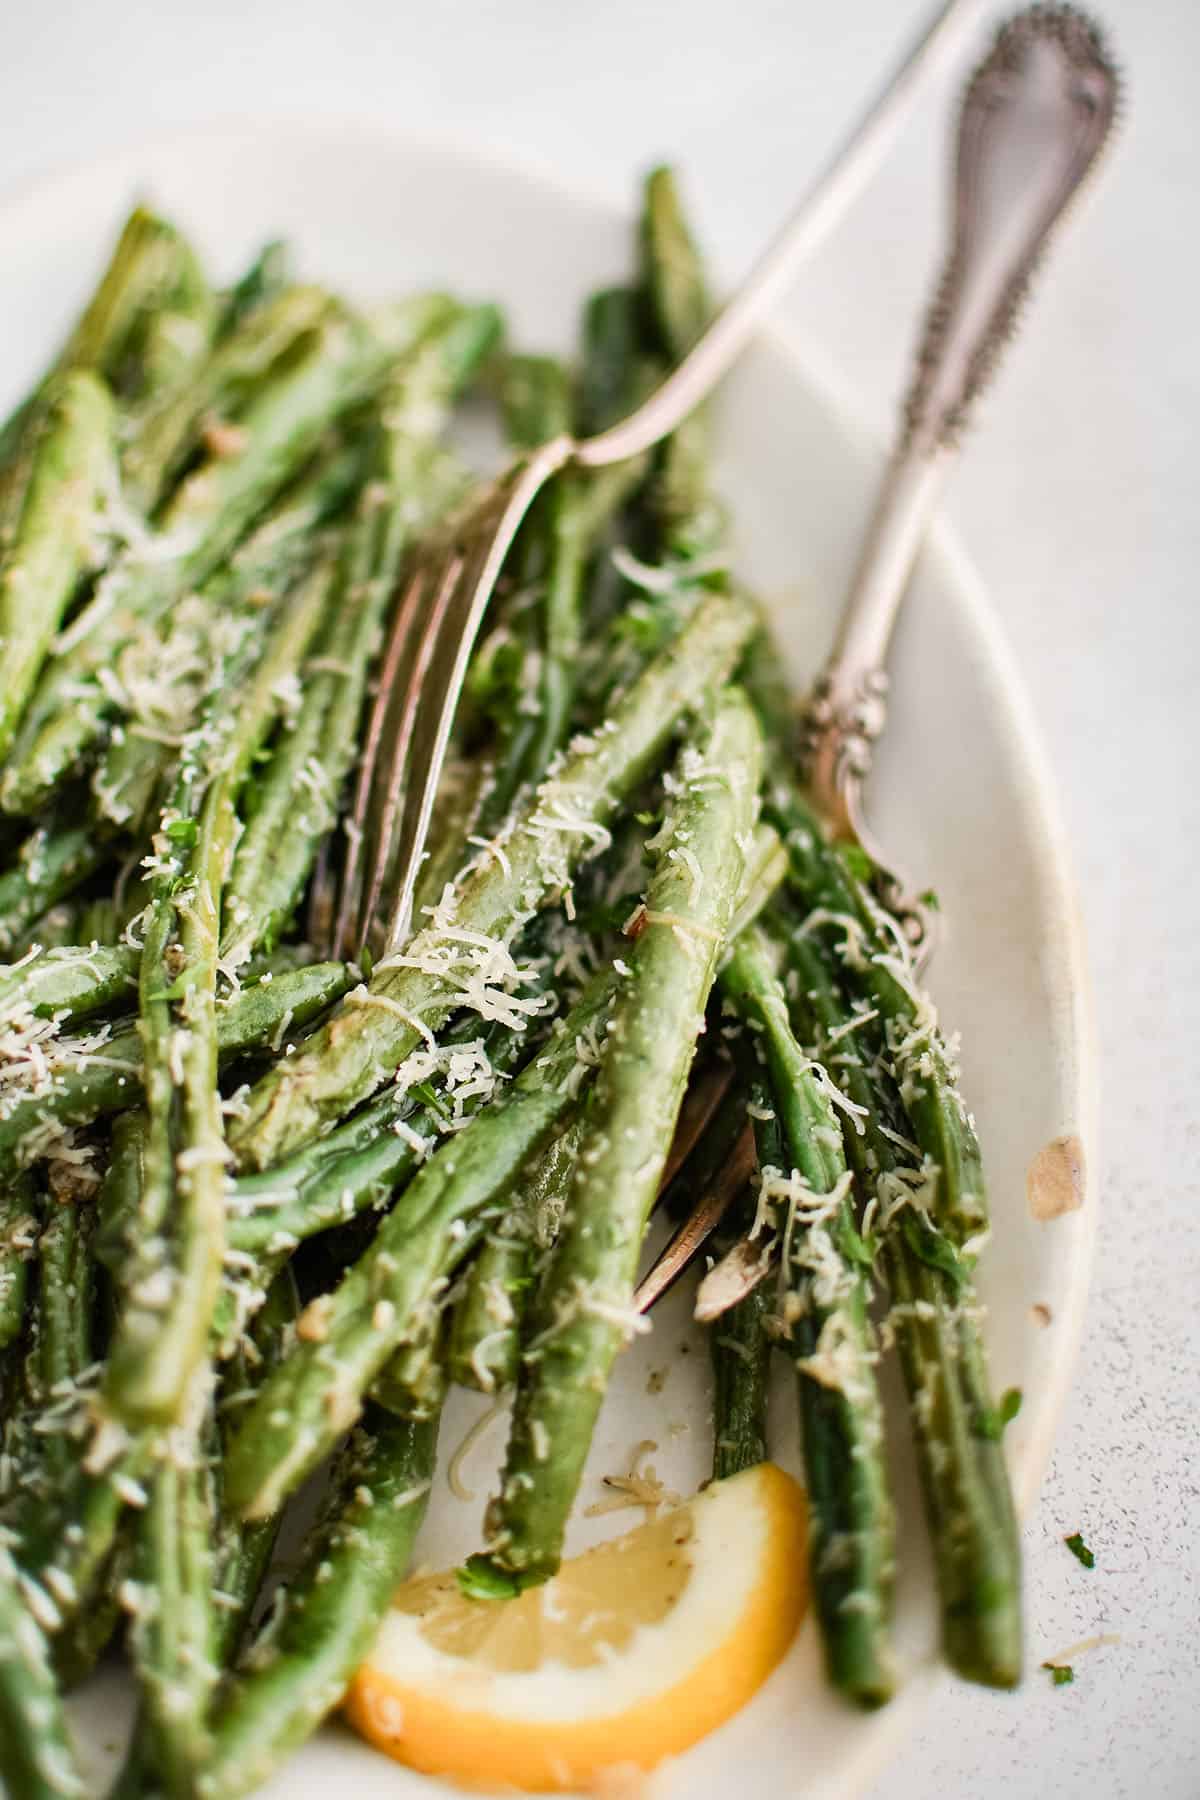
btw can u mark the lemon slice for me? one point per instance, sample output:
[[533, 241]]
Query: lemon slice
[[632, 1653]]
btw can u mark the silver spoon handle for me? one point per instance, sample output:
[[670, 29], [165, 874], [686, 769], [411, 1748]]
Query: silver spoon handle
[[1034, 118], [834, 188]]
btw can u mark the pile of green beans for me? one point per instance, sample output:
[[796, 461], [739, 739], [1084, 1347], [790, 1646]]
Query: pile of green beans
[[259, 1209]]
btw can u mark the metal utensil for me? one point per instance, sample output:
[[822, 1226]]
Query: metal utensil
[[1034, 118], [448, 587]]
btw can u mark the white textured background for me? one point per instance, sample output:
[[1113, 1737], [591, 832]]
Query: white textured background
[[1079, 504]]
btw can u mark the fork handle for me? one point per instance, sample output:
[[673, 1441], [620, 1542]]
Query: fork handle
[[1033, 120], [846, 710], [834, 188]]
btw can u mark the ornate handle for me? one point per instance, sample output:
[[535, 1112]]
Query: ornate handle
[[1034, 118]]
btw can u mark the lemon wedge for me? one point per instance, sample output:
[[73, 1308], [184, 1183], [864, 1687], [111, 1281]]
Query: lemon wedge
[[633, 1652]]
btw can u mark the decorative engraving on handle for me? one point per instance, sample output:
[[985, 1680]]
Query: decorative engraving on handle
[[838, 729], [1033, 121]]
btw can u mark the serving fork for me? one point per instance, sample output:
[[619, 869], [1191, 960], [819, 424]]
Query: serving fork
[[448, 586], [1034, 118]]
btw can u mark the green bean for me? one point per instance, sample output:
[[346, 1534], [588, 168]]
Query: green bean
[[385, 1297], [412, 1383], [358, 1166], [264, 280], [740, 1352], [65, 1543], [325, 370], [67, 1546], [239, 1558], [152, 266], [63, 1344], [171, 1289], [36, 1759], [286, 546], [281, 547], [18, 1240], [244, 1551], [824, 1315], [580, 1316], [53, 541], [934, 1315], [549, 562], [411, 482], [173, 342], [878, 965], [151, 261], [612, 346], [678, 306], [53, 861], [89, 1080], [68, 982], [173, 1628], [298, 1669], [173, 427], [354, 1168], [241, 1553], [347, 1059], [674, 281], [766, 870], [118, 1203], [739, 1349], [485, 1336]]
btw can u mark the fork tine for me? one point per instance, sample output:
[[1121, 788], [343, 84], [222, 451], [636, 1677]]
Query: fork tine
[[322, 901], [482, 545], [704, 1094], [391, 776], [399, 639], [700, 1224]]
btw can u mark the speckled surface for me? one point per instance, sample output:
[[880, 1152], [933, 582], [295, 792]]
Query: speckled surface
[[1077, 505]]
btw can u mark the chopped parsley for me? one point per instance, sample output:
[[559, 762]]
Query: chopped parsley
[[1061, 1674], [859, 863], [178, 989], [853, 1246], [433, 1099], [934, 1248], [1079, 1549], [992, 1421]]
